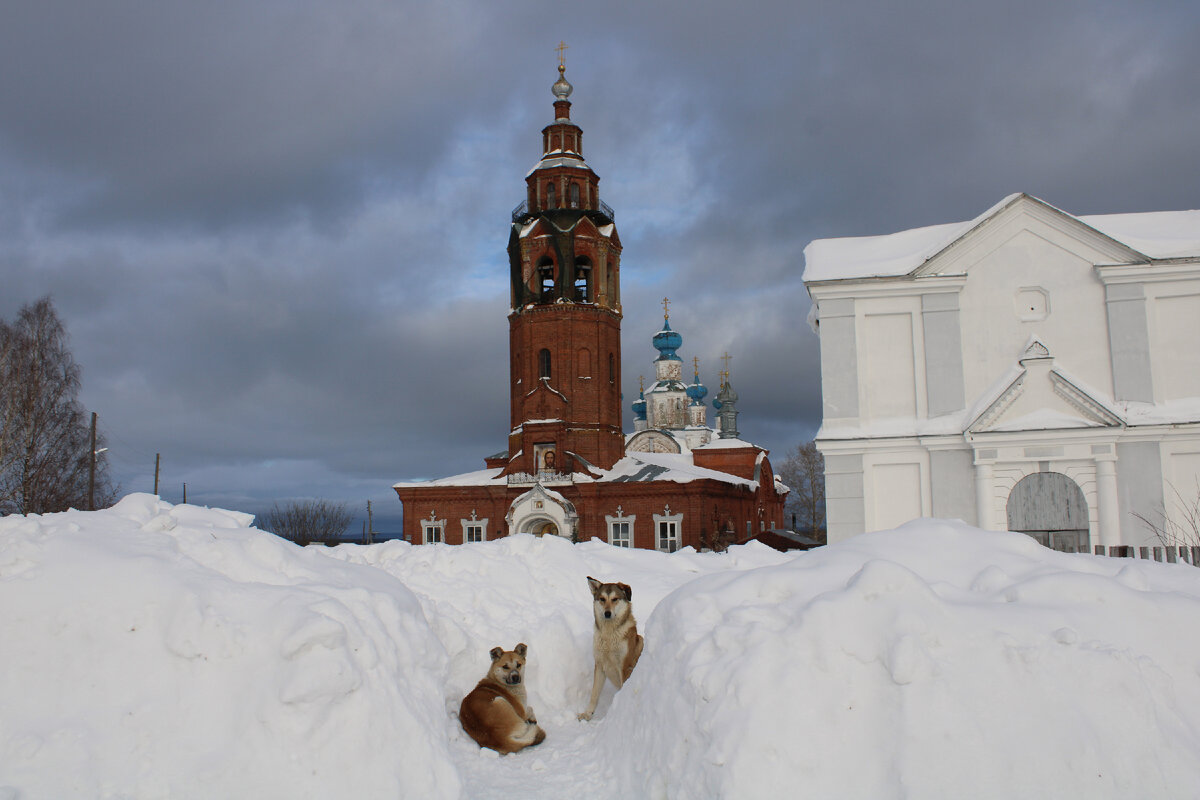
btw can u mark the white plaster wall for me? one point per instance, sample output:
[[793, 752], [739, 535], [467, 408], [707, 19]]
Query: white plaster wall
[[1075, 326], [888, 361], [1174, 319], [895, 488]]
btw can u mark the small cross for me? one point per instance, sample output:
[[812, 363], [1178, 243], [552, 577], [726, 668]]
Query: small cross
[[562, 50], [666, 305], [641, 383], [696, 364]]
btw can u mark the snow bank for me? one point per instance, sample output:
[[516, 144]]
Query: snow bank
[[169, 651], [159, 651], [936, 660]]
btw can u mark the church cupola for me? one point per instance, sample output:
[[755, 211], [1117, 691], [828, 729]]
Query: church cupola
[[666, 399], [696, 392], [565, 323], [727, 415], [639, 408]]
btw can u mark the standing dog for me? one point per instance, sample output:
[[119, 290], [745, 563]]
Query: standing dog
[[616, 645], [495, 714]]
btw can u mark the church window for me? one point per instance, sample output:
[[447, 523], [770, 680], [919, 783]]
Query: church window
[[544, 363], [550, 195], [474, 530], [666, 530], [432, 531], [620, 529], [574, 194], [583, 279], [612, 369]]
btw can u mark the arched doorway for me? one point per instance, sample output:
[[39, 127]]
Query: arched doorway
[[1051, 508], [541, 527]]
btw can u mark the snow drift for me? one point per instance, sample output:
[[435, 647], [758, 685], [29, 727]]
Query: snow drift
[[152, 651]]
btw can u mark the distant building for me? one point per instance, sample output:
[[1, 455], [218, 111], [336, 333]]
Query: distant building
[[569, 469], [1028, 370]]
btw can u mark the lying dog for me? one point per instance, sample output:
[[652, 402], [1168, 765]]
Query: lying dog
[[495, 713], [616, 645]]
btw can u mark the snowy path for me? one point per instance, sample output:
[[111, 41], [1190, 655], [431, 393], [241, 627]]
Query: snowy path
[[561, 767]]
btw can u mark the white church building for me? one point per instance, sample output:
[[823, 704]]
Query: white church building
[[1027, 370]]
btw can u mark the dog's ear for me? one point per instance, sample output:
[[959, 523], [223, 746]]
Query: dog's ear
[[593, 584], [627, 589], [521, 649], [497, 652]]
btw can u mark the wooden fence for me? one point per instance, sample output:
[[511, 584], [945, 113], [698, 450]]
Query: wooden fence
[[1172, 555]]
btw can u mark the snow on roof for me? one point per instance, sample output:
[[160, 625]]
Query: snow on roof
[[559, 161], [1162, 234], [675, 467], [480, 478], [727, 444]]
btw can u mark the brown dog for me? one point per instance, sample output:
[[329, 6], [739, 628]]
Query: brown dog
[[495, 713], [616, 645]]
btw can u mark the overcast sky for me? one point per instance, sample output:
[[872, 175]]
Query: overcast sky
[[276, 230]]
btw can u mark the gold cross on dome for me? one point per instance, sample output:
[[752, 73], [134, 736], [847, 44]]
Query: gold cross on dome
[[726, 358], [641, 383], [696, 364], [562, 51], [666, 308]]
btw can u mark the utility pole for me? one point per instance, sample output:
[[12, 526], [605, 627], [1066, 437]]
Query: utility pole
[[156, 455], [185, 492], [370, 525], [92, 469]]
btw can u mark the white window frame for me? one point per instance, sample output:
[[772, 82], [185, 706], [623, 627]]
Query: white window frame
[[467, 524], [676, 523], [428, 529], [619, 519]]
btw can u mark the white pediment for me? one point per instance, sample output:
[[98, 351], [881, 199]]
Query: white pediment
[[1023, 215], [1038, 395]]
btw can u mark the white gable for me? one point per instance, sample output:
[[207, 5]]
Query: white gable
[[1167, 234]]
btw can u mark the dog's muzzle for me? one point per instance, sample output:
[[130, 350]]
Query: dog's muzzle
[[513, 679], [608, 615]]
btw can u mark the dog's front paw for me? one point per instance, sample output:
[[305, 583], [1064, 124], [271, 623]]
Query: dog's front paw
[[584, 715]]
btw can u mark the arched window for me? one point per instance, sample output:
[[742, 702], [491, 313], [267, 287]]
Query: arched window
[[574, 194], [545, 278], [550, 195], [612, 369], [583, 279], [544, 363]]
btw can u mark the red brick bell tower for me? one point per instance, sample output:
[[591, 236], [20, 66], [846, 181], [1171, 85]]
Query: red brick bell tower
[[565, 325]]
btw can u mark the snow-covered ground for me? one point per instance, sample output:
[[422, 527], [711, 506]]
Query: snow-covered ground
[[155, 651]]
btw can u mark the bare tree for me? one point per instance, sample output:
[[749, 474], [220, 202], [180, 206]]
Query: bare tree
[[45, 443], [308, 522], [804, 472], [1178, 526]]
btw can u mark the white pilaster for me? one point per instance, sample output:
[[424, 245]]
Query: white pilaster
[[983, 496], [1109, 513]]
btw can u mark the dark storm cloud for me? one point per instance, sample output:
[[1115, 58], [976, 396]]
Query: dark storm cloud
[[276, 230]]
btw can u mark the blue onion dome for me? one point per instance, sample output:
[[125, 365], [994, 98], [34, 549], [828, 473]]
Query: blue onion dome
[[697, 391], [717, 403], [666, 342], [639, 407]]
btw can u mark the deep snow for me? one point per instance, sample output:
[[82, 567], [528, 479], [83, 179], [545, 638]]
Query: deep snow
[[153, 651]]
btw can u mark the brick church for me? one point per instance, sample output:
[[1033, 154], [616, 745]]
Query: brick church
[[569, 468]]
